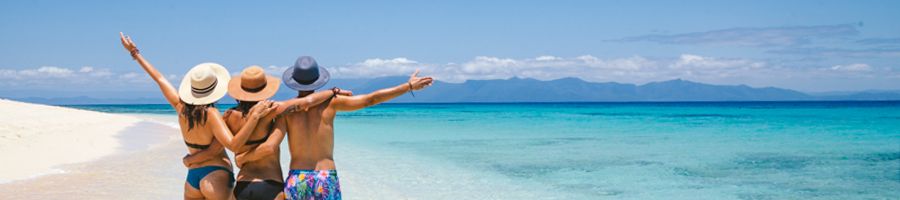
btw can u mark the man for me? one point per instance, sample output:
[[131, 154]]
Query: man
[[311, 131]]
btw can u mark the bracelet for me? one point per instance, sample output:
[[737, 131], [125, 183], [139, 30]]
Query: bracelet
[[134, 53], [411, 89], [334, 92]]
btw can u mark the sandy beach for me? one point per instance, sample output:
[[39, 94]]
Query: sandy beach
[[626, 152], [82, 154], [36, 139], [138, 157]]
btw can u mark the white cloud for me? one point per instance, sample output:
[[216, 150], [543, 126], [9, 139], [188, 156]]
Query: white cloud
[[54, 77], [376, 67], [856, 67], [689, 61], [86, 69], [130, 75], [547, 58], [629, 69], [46, 71]]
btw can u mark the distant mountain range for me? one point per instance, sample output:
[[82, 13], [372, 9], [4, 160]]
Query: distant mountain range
[[532, 90]]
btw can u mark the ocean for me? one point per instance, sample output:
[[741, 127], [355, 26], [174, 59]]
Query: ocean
[[695, 150]]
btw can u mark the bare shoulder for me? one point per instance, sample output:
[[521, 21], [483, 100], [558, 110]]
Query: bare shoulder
[[178, 107], [232, 117], [213, 113], [212, 109]]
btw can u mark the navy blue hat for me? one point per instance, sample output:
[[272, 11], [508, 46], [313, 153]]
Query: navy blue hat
[[305, 75]]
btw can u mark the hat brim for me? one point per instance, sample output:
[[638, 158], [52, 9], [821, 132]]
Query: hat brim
[[219, 91], [324, 76], [237, 92]]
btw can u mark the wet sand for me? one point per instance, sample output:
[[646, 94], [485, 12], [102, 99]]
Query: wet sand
[[151, 171]]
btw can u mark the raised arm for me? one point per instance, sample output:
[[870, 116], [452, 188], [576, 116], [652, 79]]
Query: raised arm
[[168, 91], [382, 95], [269, 147], [308, 101]]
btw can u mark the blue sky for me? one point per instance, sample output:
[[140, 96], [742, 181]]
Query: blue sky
[[71, 47]]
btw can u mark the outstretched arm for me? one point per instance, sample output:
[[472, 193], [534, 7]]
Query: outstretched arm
[[214, 151], [371, 99], [308, 101], [168, 91]]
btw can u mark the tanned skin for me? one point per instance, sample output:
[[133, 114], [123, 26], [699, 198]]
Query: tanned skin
[[311, 132], [214, 132], [260, 162]]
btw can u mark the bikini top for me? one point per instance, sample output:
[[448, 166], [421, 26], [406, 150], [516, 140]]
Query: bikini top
[[260, 141], [196, 146], [251, 142]]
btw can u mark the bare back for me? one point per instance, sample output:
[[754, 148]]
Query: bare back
[[311, 137], [202, 135], [311, 132], [267, 168]]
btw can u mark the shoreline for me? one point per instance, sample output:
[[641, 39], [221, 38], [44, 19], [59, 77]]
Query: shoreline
[[146, 171], [38, 139], [147, 166]]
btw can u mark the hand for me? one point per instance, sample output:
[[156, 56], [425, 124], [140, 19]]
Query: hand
[[262, 108], [417, 83], [185, 161], [239, 158], [254, 109], [128, 44], [268, 109]]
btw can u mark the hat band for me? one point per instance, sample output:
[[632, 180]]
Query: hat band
[[205, 90], [257, 89], [305, 82]]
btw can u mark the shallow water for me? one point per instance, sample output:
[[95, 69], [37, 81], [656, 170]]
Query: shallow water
[[736, 150]]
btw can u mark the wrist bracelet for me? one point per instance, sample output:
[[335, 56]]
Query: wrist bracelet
[[334, 92], [134, 53], [411, 89]]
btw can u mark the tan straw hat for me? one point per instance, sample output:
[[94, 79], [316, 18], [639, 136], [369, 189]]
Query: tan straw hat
[[253, 85], [204, 84]]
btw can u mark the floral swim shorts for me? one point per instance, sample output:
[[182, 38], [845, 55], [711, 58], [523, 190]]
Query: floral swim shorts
[[312, 184]]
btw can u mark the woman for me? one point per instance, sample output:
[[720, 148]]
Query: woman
[[260, 176], [200, 122]]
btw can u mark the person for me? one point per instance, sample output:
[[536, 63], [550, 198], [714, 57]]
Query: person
[[312, 173], [202, 127], [260, 176]]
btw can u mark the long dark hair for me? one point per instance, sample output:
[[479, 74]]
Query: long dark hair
[[244, 106], [195, 114]]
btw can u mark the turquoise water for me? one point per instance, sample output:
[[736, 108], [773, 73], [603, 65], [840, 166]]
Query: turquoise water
[[734, 150]]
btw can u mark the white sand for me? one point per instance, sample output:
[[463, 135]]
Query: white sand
[[34, 139]]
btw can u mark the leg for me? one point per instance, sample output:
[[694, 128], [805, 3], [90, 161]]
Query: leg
[[191, 193], [217, 185]]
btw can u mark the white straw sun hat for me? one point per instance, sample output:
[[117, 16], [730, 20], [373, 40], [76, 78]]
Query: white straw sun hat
[[204, 84]]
